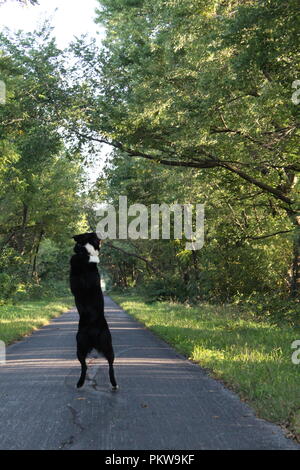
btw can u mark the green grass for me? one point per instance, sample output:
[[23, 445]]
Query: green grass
[[253, 358], [20, 319]]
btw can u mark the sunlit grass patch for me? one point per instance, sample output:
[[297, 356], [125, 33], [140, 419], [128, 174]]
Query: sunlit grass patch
[[252, 357], [20, 319]]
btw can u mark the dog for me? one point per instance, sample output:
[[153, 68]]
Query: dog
[[93, 331]]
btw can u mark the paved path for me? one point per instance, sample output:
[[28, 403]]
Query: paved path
[[164, 401]]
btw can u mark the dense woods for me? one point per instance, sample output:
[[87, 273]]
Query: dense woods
[[40, 205], [195, 100]]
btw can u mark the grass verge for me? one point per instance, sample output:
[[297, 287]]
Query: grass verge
[[20, 319], [253, 358]]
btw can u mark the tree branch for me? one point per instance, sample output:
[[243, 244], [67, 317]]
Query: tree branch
[[268, 236], [275, 192], [211, 162], [135, 255]]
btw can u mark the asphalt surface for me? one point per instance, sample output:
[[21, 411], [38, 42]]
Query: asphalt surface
[[164, 401]]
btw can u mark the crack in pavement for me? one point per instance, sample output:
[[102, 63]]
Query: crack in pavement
[[70, 441], [75, 418], [90, 382]]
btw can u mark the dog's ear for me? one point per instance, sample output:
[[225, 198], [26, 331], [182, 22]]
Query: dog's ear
[[79, 238]]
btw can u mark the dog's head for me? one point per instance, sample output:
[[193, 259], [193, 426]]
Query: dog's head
[[88, 243]]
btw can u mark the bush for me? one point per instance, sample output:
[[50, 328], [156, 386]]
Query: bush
[[44, 290], [8, 287], [163, 289], [273, 308]]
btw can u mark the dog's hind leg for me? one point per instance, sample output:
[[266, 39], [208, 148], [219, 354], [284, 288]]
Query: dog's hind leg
[[82, 352], [109, 355], [112, 373], [81, 358], [103, 344]]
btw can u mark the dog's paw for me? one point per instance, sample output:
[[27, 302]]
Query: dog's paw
[[115, 389], [79, 384]]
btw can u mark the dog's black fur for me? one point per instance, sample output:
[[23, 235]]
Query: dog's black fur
[[93, 331]]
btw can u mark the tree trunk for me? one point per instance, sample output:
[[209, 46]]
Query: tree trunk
[[34, 274], [195, 264], [294, 215], [23, 232], [295, 281]]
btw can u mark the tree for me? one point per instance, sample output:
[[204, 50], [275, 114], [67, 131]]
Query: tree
[[189, 85], [40, 187], [238, 258]]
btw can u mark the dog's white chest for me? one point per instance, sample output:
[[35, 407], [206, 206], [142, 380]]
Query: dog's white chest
[[94, 259], [94, 254]]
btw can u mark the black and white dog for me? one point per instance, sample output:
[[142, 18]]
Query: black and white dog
[[93, 331]]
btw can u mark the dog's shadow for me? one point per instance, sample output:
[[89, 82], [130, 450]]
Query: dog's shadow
[[96, 379]]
